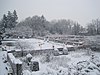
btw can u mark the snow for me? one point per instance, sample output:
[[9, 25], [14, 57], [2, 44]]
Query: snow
[[12, 43], [37, 44], [3, 70], [26, 72], [64, 64], [13, 59], [30, 44], [28, 55], [69, 46], [58, 65]]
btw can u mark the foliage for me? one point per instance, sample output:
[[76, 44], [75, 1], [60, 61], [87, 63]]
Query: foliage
[[93, 27], [41, 27], [8, 21]]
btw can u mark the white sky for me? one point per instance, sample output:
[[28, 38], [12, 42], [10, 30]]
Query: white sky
[[82, 11]]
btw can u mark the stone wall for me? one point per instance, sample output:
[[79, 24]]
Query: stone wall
[[33, 52], [17, 68]]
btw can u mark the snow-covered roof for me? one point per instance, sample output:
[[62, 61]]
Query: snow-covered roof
[[69, 46], [28, 55]]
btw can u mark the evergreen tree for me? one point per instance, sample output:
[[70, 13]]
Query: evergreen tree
[[15, 17], [3, 23], [43, 21], [11, 19]]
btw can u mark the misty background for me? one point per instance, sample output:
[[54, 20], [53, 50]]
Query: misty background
[[32, 18], [82, 11]]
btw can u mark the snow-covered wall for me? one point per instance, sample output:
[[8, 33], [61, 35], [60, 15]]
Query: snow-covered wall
[[33, 52], [16, 64]]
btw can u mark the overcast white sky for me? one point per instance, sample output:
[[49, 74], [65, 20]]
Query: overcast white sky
[[82, 11]]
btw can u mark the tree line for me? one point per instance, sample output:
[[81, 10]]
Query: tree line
[[93, 27], [39, 26]]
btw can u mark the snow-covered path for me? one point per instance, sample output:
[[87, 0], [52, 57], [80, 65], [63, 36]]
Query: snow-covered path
[[3, 70]]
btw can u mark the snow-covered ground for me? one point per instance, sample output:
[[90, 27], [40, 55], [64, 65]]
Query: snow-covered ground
[[5, 68], [65, 64], [58, 65], [32, 44], [37, 44]]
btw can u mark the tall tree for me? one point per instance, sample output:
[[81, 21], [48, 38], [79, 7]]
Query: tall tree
[[15, 17], [3, 24], [11, 19], [91, 29], [76, 29], [94, 27], [43, 21], [97, 25]]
